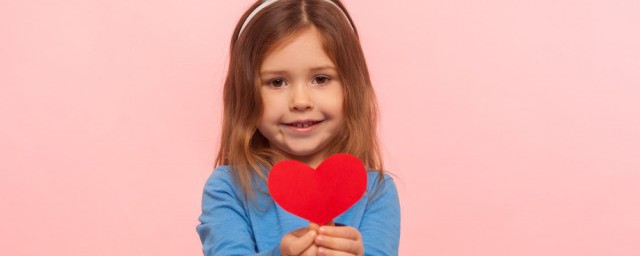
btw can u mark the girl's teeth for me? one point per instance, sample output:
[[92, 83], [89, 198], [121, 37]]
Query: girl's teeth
[[302, 125]]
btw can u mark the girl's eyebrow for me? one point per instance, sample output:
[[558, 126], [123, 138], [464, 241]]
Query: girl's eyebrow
[[265, 72]]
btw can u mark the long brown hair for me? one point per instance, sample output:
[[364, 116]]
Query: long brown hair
[[242, 146]]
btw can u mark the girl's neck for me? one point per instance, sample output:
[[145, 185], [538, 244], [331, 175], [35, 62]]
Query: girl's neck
[[312, 160]]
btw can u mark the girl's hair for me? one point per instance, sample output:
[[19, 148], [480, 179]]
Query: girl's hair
[[242, 146]]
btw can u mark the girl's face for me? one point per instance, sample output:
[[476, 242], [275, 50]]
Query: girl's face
[[302, 98]]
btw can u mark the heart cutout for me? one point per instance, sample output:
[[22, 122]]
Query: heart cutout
[[322, 194]]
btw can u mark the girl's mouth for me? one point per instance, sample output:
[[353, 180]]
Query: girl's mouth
[[303, 124], [304, 128]]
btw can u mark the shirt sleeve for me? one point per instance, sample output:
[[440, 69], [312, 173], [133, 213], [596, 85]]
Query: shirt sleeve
[[380, 226], [224, 227]]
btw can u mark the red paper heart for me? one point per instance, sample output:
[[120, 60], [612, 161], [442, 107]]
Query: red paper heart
[[322, 194]]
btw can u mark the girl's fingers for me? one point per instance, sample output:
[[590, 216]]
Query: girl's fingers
[[292, 245], [299, 232], [338, 243], [323, 251], [340, 231], [313, 226], [311, 251]]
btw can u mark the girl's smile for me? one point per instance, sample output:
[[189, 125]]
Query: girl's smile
[[302, 128]]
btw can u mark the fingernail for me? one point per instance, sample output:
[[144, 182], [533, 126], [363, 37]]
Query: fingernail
[[312, 233], [322, 229], [320, 238]]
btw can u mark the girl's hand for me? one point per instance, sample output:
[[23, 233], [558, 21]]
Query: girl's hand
[[339, 240], [300, 242]]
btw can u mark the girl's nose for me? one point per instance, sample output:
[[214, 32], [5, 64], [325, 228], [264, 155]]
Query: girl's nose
[[300, 98]]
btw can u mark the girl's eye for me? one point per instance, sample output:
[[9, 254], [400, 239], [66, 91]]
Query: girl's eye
[[277, 83], [321, 80]]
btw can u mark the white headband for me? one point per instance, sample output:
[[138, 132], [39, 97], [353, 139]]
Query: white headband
[[269, 2]]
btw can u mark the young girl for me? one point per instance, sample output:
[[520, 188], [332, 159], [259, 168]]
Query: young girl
[[297, 88]]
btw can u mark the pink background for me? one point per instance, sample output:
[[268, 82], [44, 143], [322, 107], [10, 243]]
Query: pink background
[[513, 126]]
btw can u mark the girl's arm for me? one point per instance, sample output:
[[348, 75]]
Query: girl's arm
[[224, 227], [380, 226]]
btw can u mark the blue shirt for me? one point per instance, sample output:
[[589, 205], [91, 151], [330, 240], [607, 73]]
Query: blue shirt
[[230, 225]]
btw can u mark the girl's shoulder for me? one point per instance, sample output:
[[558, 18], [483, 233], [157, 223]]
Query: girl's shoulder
[[375, 179], [220, 178], [375, 175], [221, 172]]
